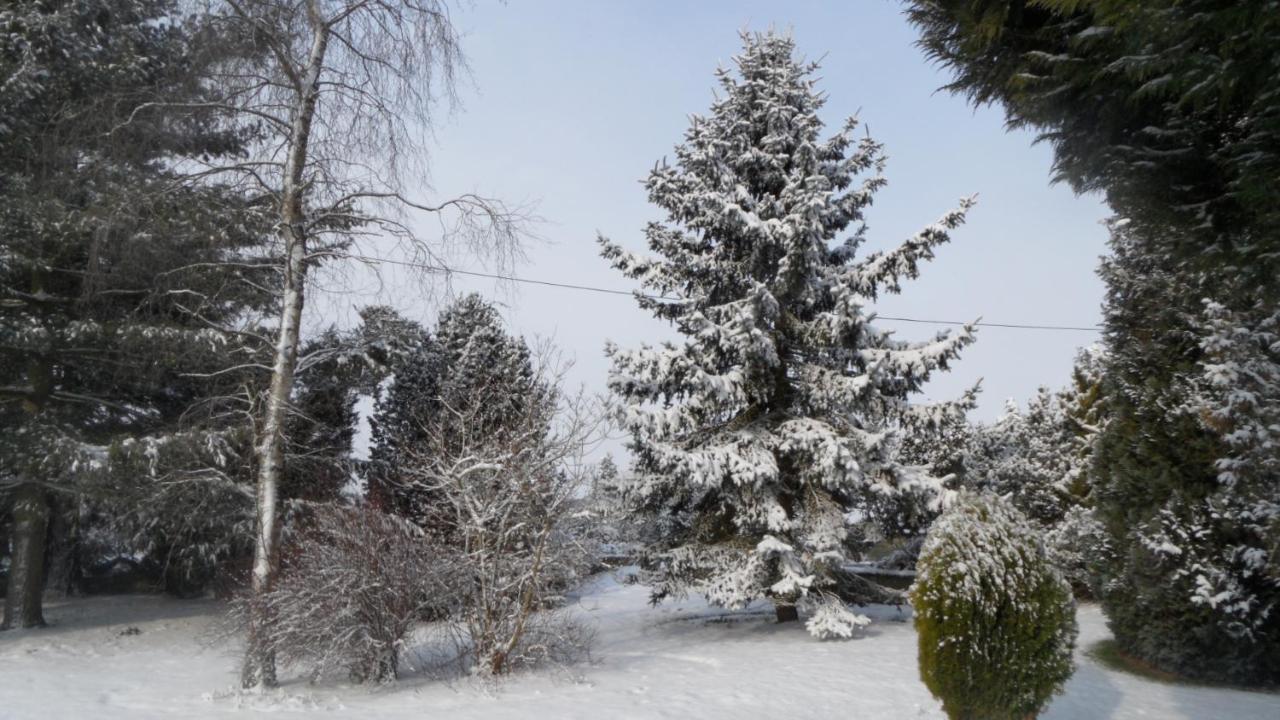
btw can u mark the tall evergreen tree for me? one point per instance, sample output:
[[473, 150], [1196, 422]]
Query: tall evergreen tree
[[1192, 585], [1172, 108], [779, 413], [1028, 456], [115, 298], [1121, 88]]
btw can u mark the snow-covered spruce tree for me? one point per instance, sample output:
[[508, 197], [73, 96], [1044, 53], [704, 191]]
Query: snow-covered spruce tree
[[778, 414], [945, 448], [1029, 456], [996, 622], [605, 524], [1085, 406], [1039, 459]]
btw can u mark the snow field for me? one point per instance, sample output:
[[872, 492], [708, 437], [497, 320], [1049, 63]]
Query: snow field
[[680, 660]]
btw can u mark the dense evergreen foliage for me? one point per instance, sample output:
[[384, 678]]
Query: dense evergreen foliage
[[119, 308], [469, 379], [1193, 582], [1120, 88], [1172, 110], [996, 621]]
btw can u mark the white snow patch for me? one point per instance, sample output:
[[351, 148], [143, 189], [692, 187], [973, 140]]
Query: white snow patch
[[679, 660]]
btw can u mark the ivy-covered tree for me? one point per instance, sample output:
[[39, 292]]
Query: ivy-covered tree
[[778, 414]]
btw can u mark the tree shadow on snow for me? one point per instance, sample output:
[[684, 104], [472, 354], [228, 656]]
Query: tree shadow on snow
[[130, 614]]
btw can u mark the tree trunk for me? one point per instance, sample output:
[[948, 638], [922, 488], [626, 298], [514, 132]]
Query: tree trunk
[[24, 597], [786, 613], [259, 663], [62, 548], [23, 607]]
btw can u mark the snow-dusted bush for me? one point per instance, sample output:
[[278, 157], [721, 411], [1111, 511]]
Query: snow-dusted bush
[[503, 501], [996, 621], [351, 587]]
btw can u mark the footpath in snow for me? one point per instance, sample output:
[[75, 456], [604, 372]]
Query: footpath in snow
[[676, 661]]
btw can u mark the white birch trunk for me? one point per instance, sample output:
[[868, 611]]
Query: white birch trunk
[[259, 666]]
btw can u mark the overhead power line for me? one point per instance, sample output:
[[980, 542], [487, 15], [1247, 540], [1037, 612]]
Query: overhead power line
[[613, 291]]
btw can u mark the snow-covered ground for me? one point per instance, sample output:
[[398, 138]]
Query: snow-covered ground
[[676, 661]]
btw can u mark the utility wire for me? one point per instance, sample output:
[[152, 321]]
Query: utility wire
[[611, 291]]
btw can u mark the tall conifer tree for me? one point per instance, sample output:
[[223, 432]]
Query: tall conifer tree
[[115, 292], [1172, 108], [778, 414], [469, 380]]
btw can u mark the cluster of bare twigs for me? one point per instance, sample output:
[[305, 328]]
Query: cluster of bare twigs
[[488, 566]]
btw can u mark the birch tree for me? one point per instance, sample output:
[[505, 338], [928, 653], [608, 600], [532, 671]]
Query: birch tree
[[341, 93]]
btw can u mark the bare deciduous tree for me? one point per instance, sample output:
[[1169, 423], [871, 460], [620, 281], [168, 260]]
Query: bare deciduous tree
[[502, 502], [340, 94]]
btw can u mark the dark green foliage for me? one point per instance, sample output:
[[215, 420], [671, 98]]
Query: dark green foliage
[[116, 306], [186, 499], [1187, 588], [996, 622], [398, 424], [323, 421], [1172, 108]]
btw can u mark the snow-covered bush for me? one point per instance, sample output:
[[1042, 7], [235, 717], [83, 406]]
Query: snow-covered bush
[[503, 502], [352, 585], [996, 621]]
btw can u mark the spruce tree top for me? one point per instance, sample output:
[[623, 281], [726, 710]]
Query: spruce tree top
[[781, 408]]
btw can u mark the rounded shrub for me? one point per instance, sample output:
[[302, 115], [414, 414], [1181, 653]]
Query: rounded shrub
[[996, 622]]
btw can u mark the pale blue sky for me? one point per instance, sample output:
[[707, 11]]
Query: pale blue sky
[[572, 102]]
